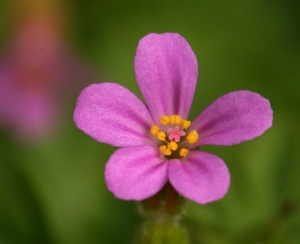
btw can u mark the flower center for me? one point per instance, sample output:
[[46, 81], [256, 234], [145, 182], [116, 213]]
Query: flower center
[[171, 136]]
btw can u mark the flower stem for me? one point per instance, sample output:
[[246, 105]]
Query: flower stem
[[167, 203], [162, 213]]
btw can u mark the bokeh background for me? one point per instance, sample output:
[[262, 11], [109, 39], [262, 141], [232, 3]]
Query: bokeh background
[[52, 188]]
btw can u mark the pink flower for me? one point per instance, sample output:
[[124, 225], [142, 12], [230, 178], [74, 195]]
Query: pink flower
[[158, 143], [37, 71]]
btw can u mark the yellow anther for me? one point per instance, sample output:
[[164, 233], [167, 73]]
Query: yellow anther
[[161, 136], [164, 150], [154, 130], [185, 124], [183, 152], [192, 137], [164, 120], [172, 119], [172, 145], [175, 119]]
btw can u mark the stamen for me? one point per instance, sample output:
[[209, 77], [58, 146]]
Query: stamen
[[164, 150], [164, 120], [161, 136], [175, 134], [185, 124], [172, 145], [175, 119], [154, 130], [192, 137], [183, 152]]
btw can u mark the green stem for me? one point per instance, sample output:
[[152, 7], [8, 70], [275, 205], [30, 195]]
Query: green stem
[[163, 213]]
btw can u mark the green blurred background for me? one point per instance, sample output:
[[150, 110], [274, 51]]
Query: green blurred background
[[53, 190]]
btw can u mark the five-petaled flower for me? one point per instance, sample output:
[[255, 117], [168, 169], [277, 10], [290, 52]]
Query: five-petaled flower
[[157, 140]]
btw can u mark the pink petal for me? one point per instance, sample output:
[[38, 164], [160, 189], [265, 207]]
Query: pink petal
[[166, 71], [235, 117], [172, 136], [136, 173], [112, 114], [201, 177]]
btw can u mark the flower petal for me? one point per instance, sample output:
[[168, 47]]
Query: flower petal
[[235, 117], [112, 114], [136, 173], [201, 177], [166, 71]]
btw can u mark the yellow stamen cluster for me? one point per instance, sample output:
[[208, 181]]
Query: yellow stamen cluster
[[161, 136], [185, 124], [175, 119], [173, 145], [183, 152], [170, 146], [154, 130], [192, 137], [164, 120], [166, 150]]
